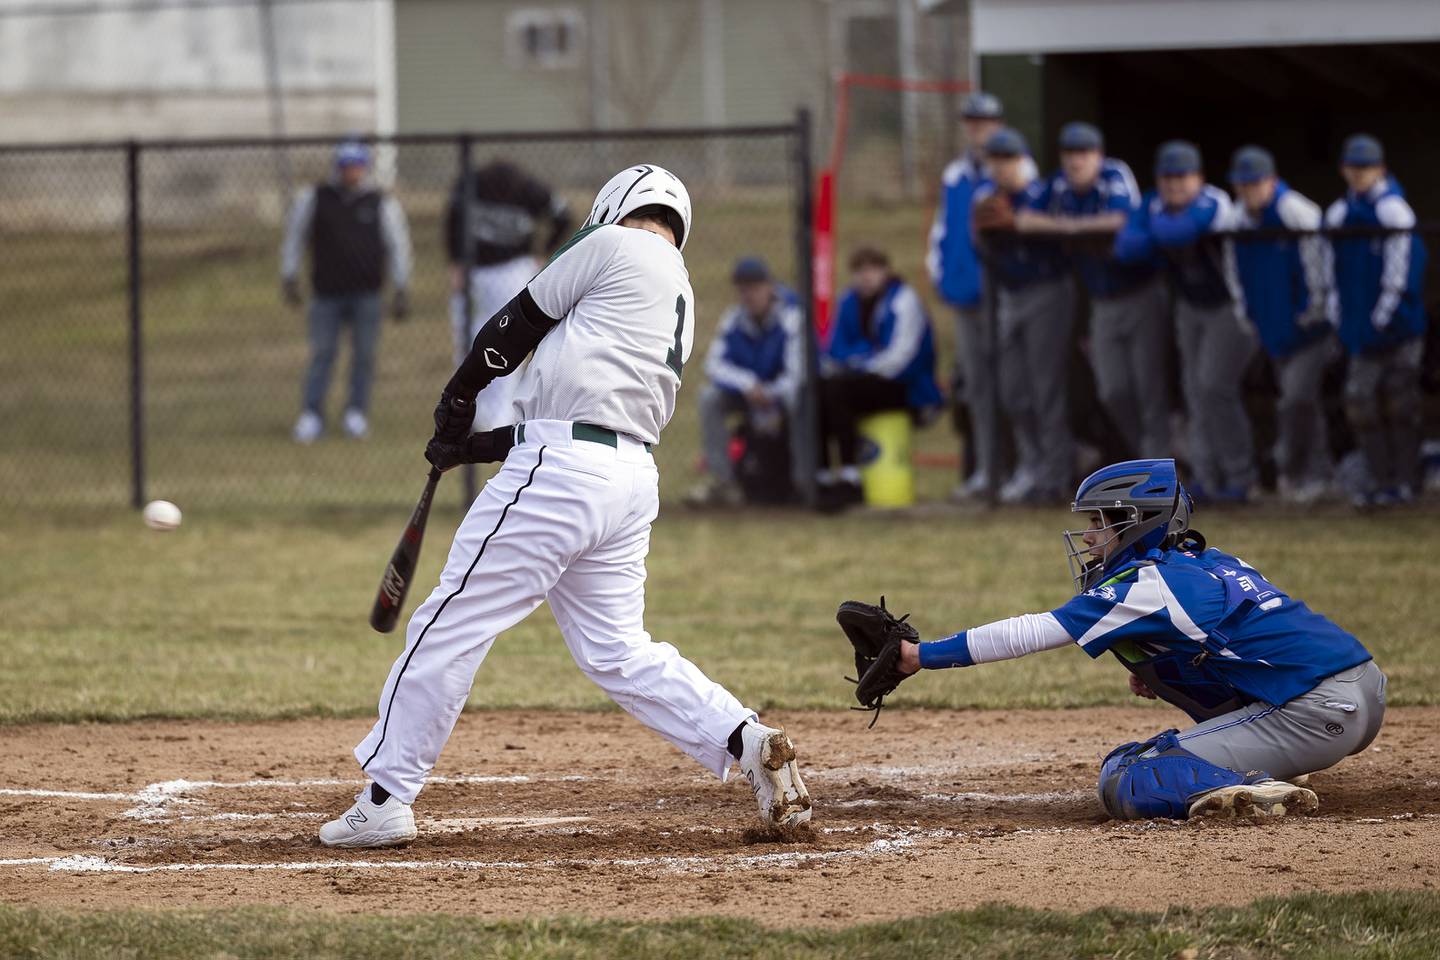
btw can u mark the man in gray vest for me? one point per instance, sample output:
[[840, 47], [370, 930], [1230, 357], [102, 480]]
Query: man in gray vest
[[356, 235]]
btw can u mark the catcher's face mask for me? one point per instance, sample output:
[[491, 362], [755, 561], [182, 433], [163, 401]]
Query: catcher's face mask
[[1088, 549]]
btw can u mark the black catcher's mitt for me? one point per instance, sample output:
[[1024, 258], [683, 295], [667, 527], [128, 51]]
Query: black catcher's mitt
[[876, 636]]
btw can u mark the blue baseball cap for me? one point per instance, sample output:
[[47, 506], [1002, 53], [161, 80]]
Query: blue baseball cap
[[1177, 157], [1006, 142], [982, 106], [750, 270], [1081, 136], [1251, 164], [1362, 150], [352, 153]]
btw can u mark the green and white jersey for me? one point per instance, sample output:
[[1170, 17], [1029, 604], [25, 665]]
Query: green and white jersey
[[627, 323]]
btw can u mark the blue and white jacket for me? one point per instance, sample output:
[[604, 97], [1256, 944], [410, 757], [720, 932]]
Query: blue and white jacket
[[1114, 190], [767, 351], [899, 344], [1206, 632], [1197, 269], [1283, 284], [1379, 281], [952, 261]]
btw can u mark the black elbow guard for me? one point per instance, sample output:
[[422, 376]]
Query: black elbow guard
[[506, 339]]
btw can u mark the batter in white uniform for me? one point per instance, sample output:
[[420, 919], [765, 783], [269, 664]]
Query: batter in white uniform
[[567, 519]]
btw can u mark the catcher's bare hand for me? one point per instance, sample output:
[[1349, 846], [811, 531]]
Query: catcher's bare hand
[[879, 640], [1140, 689]]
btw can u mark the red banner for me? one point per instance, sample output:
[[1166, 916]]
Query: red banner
[[822, 251]]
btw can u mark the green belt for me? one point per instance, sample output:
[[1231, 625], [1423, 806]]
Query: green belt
[[584, 431]]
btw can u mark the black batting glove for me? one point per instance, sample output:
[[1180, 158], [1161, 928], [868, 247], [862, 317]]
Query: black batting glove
[[454, 416], [488, 446]]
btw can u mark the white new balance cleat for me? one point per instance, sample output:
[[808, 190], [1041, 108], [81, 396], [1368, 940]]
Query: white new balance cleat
[[369, 824], [1264, 798], [768, 762]]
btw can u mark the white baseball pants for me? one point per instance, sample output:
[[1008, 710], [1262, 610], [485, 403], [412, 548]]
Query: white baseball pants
[[565, 520]]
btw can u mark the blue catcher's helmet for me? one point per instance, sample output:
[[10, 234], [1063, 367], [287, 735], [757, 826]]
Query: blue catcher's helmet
[[1142, 507]]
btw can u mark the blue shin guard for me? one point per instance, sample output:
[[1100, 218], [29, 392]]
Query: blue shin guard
[[1159, 778]]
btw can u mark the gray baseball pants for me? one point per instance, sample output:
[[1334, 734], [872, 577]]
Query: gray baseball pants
[[1216, 346], [1303, 450], [975, 355], [1035, 328], [1130, 354], [1382, 401], [1316, 730]]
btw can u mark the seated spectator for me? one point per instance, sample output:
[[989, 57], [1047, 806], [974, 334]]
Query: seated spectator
[[881, 356], [1377, 307], [755, 366]]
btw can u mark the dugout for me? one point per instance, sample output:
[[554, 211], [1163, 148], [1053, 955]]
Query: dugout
[[1296, 76]]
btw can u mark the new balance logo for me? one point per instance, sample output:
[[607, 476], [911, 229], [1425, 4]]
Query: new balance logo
[[353, 820]]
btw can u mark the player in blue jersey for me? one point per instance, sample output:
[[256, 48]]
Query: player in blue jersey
[[1130, 338], [1276, 690], [1281, 286], [1378, 308], [1216, 343]]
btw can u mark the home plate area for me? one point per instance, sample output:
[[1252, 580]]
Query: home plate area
[[587, 813]]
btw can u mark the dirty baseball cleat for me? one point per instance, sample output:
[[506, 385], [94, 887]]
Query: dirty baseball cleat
[[370, 824], [768, 762], [1264, 798]]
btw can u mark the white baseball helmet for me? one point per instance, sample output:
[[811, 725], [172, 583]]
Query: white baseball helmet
[[639, 186]]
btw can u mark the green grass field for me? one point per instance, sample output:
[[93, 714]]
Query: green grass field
[[1393, 926], [264, 616], [224, 358]]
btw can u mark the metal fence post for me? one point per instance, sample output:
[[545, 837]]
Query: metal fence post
[[804, 443], [467, 296], [137, 343]]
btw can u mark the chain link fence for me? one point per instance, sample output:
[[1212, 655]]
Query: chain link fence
[[150, 353]]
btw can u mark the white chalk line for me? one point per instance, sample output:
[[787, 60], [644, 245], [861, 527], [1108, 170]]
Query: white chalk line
[[152, 802], [86, 863], [899, 840]]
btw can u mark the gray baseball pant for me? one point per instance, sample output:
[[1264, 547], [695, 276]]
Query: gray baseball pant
[[1316, 730], [1130, 353], [715, 405], [1216, 346], [1035, 328], [976, 357], [1382, 401], [1303, 448]]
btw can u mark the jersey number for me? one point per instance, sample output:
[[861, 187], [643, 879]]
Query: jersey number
[[675, 359]]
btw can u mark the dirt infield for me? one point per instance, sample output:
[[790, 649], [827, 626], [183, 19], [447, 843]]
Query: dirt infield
[[565, 813]]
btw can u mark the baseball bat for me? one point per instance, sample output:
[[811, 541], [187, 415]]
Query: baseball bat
[[395, 583]]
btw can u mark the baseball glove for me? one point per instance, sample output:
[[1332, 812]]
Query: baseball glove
[[994, 213], [876, 636]]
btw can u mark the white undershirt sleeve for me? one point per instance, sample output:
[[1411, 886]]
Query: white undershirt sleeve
[[1015, 637]]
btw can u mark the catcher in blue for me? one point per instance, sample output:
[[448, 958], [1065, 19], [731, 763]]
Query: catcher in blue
[[1275, 689]]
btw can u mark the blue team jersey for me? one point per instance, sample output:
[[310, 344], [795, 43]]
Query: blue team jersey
[[1208, 633], [1114, 191]]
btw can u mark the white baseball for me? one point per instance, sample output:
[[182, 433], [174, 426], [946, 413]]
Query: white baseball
[[161, 515]]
